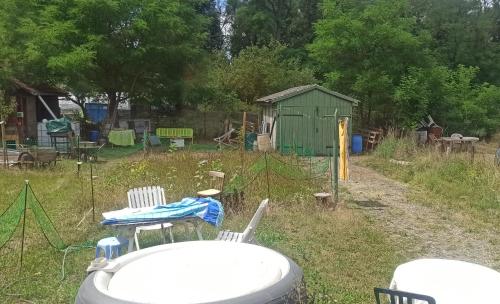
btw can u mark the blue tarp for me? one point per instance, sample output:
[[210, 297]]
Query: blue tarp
[[206, 208]]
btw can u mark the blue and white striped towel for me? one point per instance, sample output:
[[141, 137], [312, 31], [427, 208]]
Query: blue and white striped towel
[[206, 208]]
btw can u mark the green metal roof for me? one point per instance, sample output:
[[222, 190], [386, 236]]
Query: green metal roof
[[303, 89]]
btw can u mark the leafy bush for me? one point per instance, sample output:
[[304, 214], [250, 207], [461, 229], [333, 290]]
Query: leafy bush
[[398, 148]]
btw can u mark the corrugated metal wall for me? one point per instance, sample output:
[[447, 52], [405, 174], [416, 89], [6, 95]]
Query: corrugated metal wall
[[306, 122]]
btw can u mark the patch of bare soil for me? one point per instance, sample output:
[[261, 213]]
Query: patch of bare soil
[[419, 231]]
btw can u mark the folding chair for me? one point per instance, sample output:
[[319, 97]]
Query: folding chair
[[248, 235]]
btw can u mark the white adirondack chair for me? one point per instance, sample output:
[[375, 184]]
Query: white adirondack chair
[[247, 236], [148, 197]]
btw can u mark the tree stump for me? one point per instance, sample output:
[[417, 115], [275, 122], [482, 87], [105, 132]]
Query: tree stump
[[323, 199]]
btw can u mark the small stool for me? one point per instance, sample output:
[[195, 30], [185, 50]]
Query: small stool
[[110, 245]]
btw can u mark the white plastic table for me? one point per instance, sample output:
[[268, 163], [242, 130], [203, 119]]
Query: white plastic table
[[449, 281], [128, 230]]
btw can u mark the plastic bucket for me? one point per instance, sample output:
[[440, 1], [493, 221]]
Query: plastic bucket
[[94, 135], [357, 143], [264, 142], [249, 139]]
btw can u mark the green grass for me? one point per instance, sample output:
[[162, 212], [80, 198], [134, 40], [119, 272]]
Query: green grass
[[443, 181], [109, 153], [342, 253]]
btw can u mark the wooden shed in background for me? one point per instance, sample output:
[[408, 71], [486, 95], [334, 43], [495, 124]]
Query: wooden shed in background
[[32, 105], [300, 120]]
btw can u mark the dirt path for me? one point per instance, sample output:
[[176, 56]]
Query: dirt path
[[418, 230]]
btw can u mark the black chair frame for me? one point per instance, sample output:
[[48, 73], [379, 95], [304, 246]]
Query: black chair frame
[[401, 297]]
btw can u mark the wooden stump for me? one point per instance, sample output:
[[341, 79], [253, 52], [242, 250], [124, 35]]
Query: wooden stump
[[323, 199]]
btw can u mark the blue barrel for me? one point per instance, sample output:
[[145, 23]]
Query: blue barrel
[[357, 143], [94, 135], [97, 112]]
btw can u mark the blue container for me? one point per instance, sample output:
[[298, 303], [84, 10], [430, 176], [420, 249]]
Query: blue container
[[97, 112], [94, 135], [357, 144]]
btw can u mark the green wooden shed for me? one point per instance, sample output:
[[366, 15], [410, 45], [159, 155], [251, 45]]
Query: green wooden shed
[[301, 119]]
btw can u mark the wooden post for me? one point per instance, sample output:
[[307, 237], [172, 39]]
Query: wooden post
[[78, 147], [472, 150], [267, 177], [24, 223], [92, 191], [4, 143], [335, 160], [310, 166], [243, 128], [336, 156]]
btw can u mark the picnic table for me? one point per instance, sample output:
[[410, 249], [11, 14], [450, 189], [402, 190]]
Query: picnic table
[[121, 137], [448, 281], [463, 143], [459, 144]]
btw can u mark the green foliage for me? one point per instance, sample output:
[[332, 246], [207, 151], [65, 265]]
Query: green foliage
[[258, 23], [255, 72], [7, 105], [392, 147], [452, 97], [389, 56], [451, 181], [127, 49], [403, 59], [463, 32], [364, 48]]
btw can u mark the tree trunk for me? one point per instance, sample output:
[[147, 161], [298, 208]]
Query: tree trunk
[[113, 108], [368, 115]]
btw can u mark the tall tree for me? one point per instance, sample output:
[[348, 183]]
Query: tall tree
[[257, 71], [212, 10], [127, 49], [258, 22], [464, 32], [364, 48]]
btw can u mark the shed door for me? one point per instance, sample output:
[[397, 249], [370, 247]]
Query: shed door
[[295, 129], [324, 128]]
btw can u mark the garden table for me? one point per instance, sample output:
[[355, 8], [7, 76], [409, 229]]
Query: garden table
[[464, 142], [448, 281], [188, 210], [86, 148], [128, 230]]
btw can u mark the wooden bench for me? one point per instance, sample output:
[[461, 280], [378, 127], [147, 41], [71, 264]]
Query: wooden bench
[[173, 133]]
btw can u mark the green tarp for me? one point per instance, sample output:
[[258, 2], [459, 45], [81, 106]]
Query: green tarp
[[61, 125]]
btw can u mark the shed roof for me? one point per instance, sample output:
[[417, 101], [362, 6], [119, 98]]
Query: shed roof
[[44, 90], [300, 90]]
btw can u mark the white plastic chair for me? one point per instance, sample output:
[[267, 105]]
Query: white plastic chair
[[148, 197], [248, 235]]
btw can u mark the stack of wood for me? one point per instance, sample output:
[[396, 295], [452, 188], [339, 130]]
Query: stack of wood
[[371, 137], [434, 132]]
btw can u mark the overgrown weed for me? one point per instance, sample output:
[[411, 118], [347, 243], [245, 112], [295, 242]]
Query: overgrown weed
[[451, 181]]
